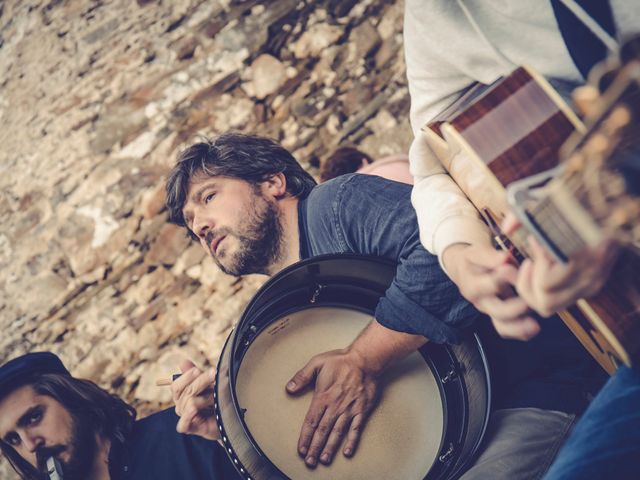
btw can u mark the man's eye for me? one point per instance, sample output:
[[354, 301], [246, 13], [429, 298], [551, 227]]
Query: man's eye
[[209, 197], [35, 417], [13, 439]]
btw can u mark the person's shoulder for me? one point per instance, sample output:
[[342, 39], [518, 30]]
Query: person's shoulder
[[355, 189], [159, 422], [329, 189], [162, 425], [353, 180]]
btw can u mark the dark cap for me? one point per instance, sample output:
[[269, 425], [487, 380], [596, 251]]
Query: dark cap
[[20, 370]]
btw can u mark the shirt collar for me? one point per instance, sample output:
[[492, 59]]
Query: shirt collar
[[305, 247]]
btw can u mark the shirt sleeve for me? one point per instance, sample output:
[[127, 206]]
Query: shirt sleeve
[[373, 216], [445, 215]]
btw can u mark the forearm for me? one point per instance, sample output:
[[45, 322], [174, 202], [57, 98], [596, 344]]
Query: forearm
[[378, 346], [445, 215]]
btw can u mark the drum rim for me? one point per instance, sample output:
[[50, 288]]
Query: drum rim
[[282, 274]]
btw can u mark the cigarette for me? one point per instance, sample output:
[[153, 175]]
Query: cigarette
[[163, 382]]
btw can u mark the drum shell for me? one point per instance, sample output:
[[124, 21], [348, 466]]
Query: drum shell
[[353, 282]]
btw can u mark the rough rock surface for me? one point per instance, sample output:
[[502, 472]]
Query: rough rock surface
[[96, 99]]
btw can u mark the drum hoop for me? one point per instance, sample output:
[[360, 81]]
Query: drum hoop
[[287, 271], [473, 451]]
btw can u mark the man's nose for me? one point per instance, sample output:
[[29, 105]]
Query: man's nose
[[33, 442], [202, 223]]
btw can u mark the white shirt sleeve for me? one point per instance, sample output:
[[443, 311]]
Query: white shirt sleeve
[[445, 215]]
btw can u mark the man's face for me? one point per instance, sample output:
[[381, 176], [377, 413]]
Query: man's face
[[38, 426], [235, 223]]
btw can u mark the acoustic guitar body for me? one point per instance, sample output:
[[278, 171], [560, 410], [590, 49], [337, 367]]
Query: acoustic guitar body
[[512, 130]]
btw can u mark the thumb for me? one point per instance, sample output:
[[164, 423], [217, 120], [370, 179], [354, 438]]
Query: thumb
[[302, 378], [186, 365]]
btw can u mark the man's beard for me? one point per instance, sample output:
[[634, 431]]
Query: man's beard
[[259, 241], [83, 449]]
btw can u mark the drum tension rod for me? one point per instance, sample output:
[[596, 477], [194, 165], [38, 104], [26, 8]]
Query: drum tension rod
[[446, 455], [316, 293], [452, 374], [247, 338]]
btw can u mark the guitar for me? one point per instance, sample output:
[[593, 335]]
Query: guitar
[[515, 145]]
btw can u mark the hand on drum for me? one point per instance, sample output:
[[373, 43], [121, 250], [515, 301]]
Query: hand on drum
[[193, 396], [345, 394]]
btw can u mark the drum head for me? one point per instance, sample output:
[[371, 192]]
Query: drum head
[[402, 437]]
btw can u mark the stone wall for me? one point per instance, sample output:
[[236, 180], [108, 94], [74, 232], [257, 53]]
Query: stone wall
[[96, 99]]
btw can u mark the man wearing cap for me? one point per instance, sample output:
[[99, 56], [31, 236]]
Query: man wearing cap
[[45, 412]]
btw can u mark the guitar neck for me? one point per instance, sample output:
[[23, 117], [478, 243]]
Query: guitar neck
[[565, 226]]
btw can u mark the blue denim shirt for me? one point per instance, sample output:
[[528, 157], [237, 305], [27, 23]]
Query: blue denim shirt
[[368, 215]]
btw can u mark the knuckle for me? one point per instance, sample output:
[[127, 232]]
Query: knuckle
[[311, 422], [503, 332], [356, 428], [546, 288], [597, 285], [500, 328], [323, 429], [314, 450], [546, 309]]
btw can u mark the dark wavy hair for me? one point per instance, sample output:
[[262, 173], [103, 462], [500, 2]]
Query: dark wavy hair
[[344, 160], [250, 158], [110, 416]]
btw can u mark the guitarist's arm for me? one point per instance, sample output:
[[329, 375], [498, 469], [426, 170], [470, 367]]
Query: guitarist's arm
[[449, 224], [451, 228]]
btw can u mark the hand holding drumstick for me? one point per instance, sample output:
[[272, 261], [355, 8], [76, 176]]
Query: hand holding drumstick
[[193, 396]]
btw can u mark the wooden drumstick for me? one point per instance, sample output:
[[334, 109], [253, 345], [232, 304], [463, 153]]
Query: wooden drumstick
[[163, 382]]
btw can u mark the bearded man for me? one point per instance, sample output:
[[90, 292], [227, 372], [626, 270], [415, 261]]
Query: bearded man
[[94, 435]]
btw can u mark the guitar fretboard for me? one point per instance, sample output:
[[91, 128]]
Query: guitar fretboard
[[554, 225]]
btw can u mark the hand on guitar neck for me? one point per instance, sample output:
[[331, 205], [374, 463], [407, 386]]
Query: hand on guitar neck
[[547, 285], [485, 278]]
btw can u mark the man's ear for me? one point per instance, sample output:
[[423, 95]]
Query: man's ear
[[276, 185]]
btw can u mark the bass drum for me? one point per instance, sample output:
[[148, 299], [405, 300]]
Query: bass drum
[[434, 404]]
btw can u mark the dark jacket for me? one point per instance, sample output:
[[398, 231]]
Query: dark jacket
[[369, 215], [155, 451]]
